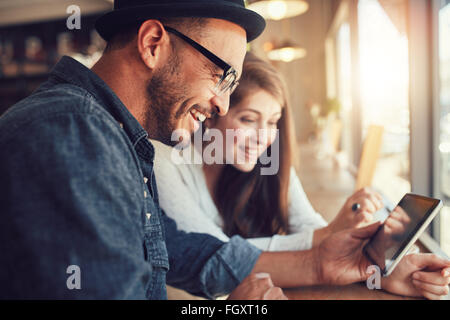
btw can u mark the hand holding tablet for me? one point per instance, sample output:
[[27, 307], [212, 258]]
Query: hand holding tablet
[[401, 230]]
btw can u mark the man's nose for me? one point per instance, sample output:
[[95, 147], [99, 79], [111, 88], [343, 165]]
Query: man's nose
[[221, 103]]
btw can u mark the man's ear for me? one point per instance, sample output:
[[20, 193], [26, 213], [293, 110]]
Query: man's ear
[[151, 41]]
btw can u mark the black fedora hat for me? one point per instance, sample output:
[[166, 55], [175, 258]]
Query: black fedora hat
[[128, 12]]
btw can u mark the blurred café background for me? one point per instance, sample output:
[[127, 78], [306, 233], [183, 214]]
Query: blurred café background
[[369, 85]]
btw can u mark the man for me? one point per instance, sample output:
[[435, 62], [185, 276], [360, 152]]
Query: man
[[79, 200]]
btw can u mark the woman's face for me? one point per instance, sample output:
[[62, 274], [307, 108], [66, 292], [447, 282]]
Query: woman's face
[[249, 129]]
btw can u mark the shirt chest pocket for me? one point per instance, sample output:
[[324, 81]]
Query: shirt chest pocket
[[154, 241]]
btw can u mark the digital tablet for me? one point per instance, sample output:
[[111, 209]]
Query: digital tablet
[[400, 231]]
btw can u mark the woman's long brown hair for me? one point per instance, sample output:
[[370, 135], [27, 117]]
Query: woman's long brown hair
[[251, 204]]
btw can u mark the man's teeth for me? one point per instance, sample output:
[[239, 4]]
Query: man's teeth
[[198, 115], [201, 118]]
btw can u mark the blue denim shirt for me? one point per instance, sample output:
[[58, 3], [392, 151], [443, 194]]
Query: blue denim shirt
[[78, 188]]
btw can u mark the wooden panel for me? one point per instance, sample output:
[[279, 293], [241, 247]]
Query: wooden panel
[[369, 156]]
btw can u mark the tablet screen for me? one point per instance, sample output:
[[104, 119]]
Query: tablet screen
[[399, 228]]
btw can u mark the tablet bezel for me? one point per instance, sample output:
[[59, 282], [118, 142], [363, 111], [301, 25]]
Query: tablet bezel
[[412, 237]]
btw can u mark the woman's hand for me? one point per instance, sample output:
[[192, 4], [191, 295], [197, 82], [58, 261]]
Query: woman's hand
[[419, 275], [369, 201], [257, 286]]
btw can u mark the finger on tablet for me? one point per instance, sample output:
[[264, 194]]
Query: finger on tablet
[[400, 216], [365, 232]]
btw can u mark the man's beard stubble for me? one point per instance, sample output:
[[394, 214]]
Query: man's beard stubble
[[165, 91]]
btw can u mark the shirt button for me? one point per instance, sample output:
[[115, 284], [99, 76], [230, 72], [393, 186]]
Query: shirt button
[[121, 124], [145, 194], [148, 215], [145, 179]]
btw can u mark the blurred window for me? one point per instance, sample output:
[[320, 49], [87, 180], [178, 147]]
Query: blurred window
[[384, 85], [344, 86]]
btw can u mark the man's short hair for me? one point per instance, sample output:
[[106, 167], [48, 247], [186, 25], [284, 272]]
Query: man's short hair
[[185, 25]]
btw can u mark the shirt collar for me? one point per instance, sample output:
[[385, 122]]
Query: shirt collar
[[75, 73]]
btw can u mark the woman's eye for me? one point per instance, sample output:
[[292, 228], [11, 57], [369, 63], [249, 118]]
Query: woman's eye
[[247, 120]]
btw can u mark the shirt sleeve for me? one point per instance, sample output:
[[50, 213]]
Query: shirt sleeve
[[227, 264], [63, 204]]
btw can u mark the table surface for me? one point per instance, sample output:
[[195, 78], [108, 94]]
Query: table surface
[[354, 291]]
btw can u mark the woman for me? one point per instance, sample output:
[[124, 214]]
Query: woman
[[271, 211]]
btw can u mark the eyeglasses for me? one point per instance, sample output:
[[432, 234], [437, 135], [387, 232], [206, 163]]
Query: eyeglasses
[[228, 78]]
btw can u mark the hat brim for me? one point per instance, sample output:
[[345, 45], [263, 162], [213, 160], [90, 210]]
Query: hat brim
[[111, 22]]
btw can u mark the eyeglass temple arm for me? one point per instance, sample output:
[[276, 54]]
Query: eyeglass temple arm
[[212, 57]]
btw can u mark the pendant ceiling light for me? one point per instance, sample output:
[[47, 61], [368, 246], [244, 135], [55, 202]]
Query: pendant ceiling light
[[286, 52], [279, 9]]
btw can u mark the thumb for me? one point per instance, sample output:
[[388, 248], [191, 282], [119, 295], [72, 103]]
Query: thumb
[[366, 232], [430, 261]]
